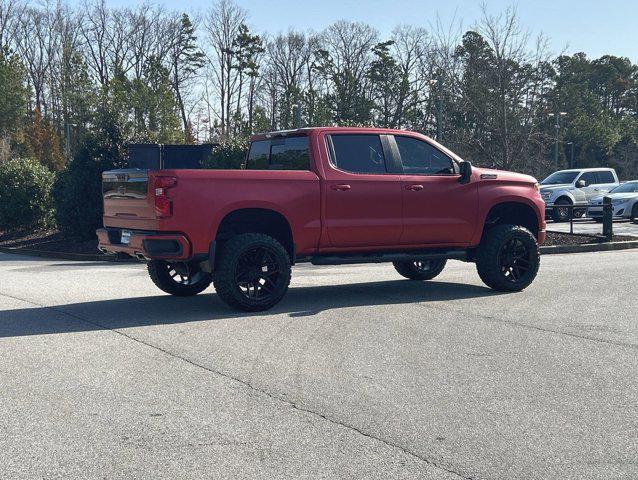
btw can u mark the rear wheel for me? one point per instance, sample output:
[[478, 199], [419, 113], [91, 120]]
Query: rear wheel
[[508, 258], [252, 272], [178, 278], [420, 270], [561, 210]]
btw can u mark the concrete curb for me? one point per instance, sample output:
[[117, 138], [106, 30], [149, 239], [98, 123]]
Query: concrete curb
[[589, 247], [86, 257]]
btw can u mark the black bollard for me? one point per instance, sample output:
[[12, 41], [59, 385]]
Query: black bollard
[[608, 225]]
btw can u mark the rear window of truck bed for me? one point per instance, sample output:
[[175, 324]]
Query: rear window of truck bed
[[287, 153]]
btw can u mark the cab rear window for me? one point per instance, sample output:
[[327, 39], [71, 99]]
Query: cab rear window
[[287, 153]]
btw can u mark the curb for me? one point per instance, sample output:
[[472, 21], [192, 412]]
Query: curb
[[589, 247], [86, 257]]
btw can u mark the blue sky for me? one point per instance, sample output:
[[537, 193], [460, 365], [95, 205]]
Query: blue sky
[[595, 27]]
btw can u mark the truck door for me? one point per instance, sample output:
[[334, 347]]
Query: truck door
[[437, 209], [363, 200], [592, 188]]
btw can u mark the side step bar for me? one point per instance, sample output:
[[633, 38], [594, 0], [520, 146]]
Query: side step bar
[[460, 254]]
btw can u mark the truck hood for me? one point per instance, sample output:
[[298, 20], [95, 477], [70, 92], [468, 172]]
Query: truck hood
[[503, 175]]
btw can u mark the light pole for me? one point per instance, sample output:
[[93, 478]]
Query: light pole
[[438, 83], [571, 154], [67, 135], [557, 126]]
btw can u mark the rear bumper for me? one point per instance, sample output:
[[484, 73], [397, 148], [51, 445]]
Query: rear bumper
[[145, 244]]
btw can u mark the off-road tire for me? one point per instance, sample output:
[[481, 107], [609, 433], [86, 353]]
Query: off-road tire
[[225, 280], [488, 257], [412, 271], [160, 273]]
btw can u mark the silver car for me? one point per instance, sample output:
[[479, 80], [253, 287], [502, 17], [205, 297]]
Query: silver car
[[624, 202], [576, 187]]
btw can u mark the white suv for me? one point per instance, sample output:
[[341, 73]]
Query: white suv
[[575, 187]]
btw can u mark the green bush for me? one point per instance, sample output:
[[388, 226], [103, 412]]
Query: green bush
[[78, 189], [25, 195], [228, 155]]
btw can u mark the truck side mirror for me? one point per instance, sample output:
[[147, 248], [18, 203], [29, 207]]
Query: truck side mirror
[[466, 172], [581, 184]]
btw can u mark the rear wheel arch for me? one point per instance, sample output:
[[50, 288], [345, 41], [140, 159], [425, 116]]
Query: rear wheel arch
[[256, 220]]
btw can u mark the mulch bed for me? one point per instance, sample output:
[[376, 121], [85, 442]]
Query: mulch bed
[[556, 238], [48, 241]]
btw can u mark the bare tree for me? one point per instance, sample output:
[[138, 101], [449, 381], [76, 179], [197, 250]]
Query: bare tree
[[343, 59], [185, 59], [10, 13], [289, 55], [222, 25]]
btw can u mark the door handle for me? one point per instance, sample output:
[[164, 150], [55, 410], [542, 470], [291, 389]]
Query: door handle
[[340, 187], [414, 188]]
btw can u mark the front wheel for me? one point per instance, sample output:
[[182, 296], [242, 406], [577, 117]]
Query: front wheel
[[178, 278], [420, 270], [508, 258], [634, 213], [561, 211], [252, 272]]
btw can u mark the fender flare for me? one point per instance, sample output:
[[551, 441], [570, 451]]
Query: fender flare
[[501, 200], [243, 205]]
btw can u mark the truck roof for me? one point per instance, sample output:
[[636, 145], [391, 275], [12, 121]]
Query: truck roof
[[307, 130], [594, 169]]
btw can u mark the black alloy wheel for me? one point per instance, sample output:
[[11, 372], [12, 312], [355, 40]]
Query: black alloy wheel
[[178, 278], [420, 269], [508, 258], [514, 260], [252, 272], [257, 273]]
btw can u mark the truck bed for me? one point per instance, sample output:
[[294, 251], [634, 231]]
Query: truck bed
[[201, 198]]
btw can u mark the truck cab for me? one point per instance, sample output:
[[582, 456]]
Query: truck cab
[[568, 192], [325, 195]]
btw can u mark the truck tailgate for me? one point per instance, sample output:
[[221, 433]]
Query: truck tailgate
[[128, 201]]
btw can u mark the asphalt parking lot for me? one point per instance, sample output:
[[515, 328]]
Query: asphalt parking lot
[[356, 374], [588, 226]]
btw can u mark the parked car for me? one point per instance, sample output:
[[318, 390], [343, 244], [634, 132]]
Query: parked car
[[328, 196], [575, 188], [624, 201]]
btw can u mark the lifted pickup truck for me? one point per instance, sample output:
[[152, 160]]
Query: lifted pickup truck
[[329, 196]]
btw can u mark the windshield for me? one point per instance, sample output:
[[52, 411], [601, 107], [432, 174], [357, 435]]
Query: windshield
[[558, 178], [629, 187]]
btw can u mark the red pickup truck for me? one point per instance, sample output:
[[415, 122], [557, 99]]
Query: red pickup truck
[[328, 196]]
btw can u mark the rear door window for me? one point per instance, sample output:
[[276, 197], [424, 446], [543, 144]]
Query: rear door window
[[606, 177], [358, 153], [288, 153]]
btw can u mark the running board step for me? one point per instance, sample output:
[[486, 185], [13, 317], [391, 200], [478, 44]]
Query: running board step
[[389, 257]]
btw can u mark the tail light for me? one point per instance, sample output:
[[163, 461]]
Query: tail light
[[163, 203]]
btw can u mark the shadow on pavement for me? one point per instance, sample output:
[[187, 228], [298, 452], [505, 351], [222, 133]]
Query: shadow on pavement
[[165, 309]]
